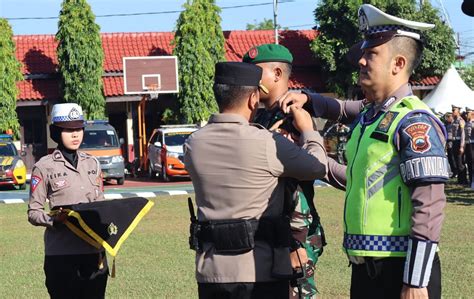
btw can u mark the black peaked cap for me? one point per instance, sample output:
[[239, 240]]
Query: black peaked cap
[[238, 73]]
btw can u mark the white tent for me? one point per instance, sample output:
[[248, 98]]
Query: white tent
[[451, 90]]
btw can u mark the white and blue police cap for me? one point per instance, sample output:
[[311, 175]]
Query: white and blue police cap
[[68, 115], [379, 27]]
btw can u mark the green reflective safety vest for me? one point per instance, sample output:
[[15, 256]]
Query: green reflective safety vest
[[378, 206]]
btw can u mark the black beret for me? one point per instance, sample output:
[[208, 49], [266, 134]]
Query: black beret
[[238, 73]]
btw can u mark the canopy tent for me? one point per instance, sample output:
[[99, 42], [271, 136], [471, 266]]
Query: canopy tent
[[451, 90]]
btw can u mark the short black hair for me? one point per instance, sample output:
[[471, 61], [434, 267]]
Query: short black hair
[[231, 96], [410, 48]]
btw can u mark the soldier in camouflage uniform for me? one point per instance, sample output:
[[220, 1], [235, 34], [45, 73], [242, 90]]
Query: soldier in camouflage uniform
[[276, 62]]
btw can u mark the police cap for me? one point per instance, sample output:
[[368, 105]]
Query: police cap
[[379, 27], [238, 73], [67, 115], [469, 109], [455, 107], [268, 53]]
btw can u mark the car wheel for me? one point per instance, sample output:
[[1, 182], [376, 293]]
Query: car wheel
[[120, 181], [164, 175], [151, 172]]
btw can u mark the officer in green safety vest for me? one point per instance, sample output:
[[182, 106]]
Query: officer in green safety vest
[[396, 168]]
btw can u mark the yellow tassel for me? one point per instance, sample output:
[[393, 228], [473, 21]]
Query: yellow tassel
[[113, 269]]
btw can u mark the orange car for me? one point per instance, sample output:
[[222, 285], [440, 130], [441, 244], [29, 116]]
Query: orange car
[[165, 151]]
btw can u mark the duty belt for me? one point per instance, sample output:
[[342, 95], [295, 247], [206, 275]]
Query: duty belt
[[359, 260], [237, 236], [457, 138]]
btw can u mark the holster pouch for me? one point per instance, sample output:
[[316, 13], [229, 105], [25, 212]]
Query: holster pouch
[[233, 236], [194, 230], [281, 265]]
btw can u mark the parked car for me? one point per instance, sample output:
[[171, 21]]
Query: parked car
[[12, 167], [165, 151], [101, 141], [335, 138]]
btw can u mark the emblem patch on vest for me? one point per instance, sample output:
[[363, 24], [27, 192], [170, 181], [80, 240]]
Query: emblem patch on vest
[[386, 122], [420, 140]]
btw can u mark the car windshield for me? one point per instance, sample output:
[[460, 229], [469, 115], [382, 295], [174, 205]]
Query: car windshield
[[7, 149], [99, 139], [178, 138]]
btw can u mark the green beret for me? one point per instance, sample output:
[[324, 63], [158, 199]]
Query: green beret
[[268, 53]]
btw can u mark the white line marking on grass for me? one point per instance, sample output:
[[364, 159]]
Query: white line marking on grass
[[112, 196], [13, 200], [146, 194], [176, 192]]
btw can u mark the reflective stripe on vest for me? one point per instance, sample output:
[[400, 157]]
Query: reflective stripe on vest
[[378, 206], [376, 243]]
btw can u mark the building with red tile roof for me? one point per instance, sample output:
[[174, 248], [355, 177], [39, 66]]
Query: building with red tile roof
[[37, 53], [40, 89]]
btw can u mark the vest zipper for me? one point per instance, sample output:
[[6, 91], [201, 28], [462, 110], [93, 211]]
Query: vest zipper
[[399, 205]]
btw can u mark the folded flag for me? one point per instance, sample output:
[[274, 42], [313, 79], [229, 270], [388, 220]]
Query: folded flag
[[106, 223]]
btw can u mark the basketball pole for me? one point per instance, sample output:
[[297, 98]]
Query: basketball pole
[[143, 151]]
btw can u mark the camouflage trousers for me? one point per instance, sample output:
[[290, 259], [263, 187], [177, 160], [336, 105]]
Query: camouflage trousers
[[301, 222]]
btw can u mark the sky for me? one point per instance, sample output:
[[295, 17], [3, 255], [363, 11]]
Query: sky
[[297, 14]]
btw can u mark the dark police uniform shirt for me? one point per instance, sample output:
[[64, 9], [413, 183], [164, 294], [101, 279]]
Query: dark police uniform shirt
[[428, 195], [54, 179], [468, 131]]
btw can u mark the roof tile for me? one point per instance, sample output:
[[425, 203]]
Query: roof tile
[[37, 53]]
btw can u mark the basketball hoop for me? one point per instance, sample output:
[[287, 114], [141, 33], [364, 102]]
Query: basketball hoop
[[153, 90]]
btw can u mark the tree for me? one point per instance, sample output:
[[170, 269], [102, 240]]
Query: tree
[[199, 45], [338, 26], [266, 24], [10, 74], [467, 75], [80, 57]]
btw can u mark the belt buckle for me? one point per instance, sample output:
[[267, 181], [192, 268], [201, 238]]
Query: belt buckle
[[358, 260]]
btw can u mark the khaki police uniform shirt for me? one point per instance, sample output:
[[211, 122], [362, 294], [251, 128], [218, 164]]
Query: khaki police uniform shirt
[[237, 171], [56, 180], [458, 130]]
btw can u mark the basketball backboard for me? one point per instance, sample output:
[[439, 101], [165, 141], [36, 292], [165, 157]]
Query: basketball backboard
[[150, 74]]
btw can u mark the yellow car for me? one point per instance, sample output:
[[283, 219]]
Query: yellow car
[[12, 168]]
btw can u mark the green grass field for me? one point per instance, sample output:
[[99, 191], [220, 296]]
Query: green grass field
[[155, 261]]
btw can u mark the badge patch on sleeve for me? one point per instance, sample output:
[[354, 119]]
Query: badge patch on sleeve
[[35, 180], [420, 140]]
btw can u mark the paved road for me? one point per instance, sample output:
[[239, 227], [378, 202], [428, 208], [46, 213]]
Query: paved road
[[132, 187]]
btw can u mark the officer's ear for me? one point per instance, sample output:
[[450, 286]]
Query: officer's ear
[[253, 100], [277, 73], [399, 64]]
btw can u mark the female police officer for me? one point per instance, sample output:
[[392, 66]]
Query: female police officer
[[73, 268]]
